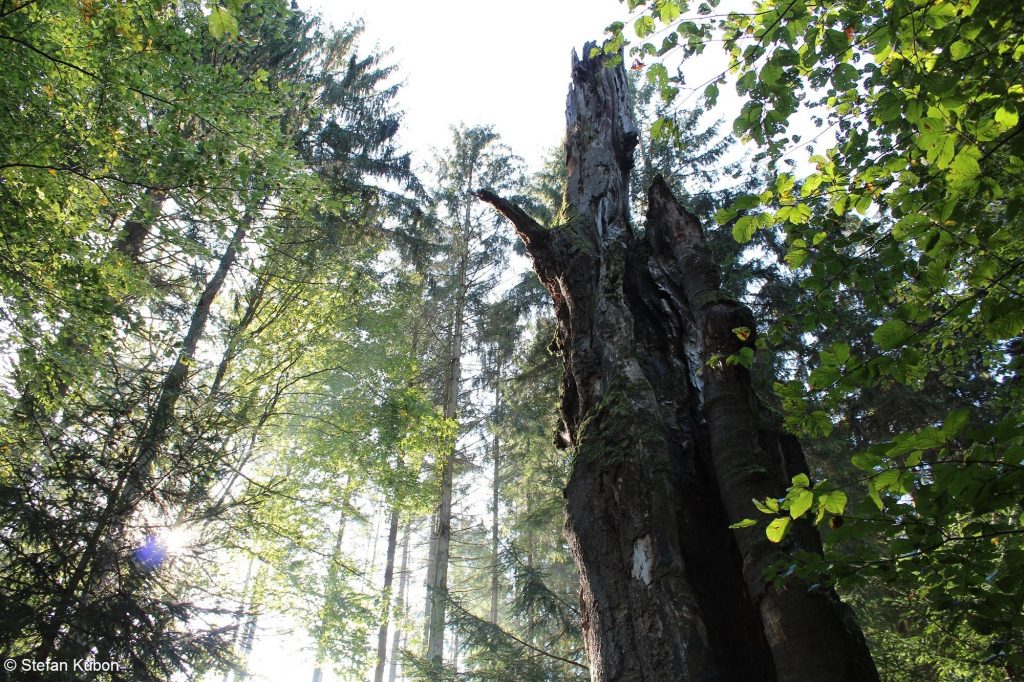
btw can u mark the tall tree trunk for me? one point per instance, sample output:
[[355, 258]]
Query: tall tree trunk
[[438, 587], [389, 574], [669, 447], [162, 417], [495, 489], [373, 542], [236, 620], [253, 301], [402, 606]]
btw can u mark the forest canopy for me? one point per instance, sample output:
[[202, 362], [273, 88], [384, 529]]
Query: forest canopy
[[270, 388]]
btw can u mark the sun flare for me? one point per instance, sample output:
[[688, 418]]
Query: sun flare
[[176, 539]]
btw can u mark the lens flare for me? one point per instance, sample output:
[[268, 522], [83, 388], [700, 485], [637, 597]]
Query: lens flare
[[158, 547]]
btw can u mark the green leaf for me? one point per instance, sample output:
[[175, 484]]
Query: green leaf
[[823, 377], [801, 502], [841, 351], [746, 82], [668, 11], [845, 76], [722, 215], [887, 480], [658, 130], [744, 229], [1005, 118], [657, 75], [866, 461], [819, 424], [796, 257], [796, 215], [959, 50], [777, 529], [769, 506], [873, 494], [644, 26], [745, 523], [222, 22], [964, 170], [745, 201], [892, 334], [834, 502], [801, 481], [811, 183]]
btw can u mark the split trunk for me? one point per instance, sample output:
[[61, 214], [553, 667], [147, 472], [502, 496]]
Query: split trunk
[[669, 448]]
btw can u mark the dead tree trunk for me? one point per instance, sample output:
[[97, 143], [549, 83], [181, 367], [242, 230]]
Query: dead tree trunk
[[669, 450]]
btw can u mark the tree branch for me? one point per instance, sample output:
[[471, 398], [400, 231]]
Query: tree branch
[[532, 232]]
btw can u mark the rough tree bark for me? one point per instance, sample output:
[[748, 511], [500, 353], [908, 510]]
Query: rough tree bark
[[669, 449]]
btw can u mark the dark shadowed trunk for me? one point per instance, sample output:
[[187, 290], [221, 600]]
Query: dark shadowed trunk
[[669, 444]]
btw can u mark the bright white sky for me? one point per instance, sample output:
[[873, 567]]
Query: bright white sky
[[480, 62]]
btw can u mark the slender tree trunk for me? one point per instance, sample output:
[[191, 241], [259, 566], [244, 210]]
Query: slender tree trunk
[[438, 588], [455, 653], [249, 633], [669, 443], [162, 417], [495, 489], [248, 638], [402, 605], [254, 299], [389, 574]]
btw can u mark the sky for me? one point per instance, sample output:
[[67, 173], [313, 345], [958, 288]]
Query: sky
[[480, 62]]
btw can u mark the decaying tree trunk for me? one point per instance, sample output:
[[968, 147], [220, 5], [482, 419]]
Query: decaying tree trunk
[[669, 448]]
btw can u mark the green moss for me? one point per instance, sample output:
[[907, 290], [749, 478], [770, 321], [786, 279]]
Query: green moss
[[616, 430], [575, 227], [713, 296]]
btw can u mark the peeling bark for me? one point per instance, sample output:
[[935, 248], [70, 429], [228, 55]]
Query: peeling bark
[[668, 449]]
